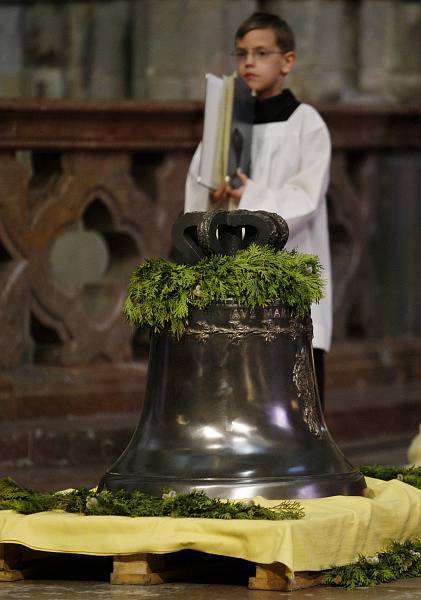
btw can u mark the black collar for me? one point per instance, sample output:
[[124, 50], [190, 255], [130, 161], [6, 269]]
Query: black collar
[[277, 108]]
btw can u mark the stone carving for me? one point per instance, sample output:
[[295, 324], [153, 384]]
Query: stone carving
[[351, 220], [70, 236], [14, 265]]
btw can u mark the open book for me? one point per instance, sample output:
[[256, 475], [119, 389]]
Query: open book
[[227, 131]]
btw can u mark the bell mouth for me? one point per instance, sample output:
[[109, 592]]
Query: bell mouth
[[350, 483]]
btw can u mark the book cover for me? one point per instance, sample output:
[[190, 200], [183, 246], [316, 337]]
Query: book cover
[[227, 131]]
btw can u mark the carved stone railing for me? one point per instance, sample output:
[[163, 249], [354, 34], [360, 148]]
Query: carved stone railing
[[98, 189], [89, 189]]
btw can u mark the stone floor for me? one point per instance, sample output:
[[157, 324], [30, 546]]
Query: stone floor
[[405, 589]]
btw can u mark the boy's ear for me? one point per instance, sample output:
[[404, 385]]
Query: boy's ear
[[288, 62]]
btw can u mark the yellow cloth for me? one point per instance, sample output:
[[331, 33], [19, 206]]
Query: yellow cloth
[[334, 531]]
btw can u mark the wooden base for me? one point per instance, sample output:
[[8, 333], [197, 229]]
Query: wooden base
[[274, 577], [18, 562], [152, 569], [13, 562], [141, 569]]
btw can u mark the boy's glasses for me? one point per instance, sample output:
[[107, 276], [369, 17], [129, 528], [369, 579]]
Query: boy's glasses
[[259, 55]]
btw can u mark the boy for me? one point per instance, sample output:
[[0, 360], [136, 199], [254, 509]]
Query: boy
[[290, 158]]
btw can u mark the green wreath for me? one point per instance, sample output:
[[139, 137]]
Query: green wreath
[[161, 293]]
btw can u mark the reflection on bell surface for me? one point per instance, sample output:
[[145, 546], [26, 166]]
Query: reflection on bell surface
[[232, 408]]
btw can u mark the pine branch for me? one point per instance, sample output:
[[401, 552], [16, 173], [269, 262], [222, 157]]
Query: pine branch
[[136, 504], [398, 560], [160, 293], [410, 475]]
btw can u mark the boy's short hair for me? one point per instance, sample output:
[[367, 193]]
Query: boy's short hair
[[262, 20]]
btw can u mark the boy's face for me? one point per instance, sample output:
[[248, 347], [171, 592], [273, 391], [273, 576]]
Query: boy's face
[[264, 65]]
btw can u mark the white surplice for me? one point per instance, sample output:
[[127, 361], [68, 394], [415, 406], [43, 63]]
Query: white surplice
[[289, 176]]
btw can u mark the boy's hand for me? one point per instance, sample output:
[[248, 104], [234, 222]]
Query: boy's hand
[[236, 193], [220, 194]]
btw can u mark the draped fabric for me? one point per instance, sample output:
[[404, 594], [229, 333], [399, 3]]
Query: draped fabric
[[335, 531]]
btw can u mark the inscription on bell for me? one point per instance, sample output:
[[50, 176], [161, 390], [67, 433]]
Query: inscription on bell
[[274, 313], [241, 314]]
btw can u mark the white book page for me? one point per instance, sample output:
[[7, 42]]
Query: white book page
[[211, 127]]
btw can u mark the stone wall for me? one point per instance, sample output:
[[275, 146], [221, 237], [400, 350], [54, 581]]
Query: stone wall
[[349, 50]]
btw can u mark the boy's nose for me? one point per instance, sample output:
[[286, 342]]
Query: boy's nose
[[250, 59]]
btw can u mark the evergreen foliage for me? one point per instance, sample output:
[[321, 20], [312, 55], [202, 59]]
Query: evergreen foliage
[[410, 475], [136, 504], [399, 560], [15, 497], [160, 293]]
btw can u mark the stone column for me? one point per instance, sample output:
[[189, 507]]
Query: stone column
[[177, 41], [211, 27], [390, 38], [11, 58], [79, 27], [160, 51], [110, 50], [324, 34], [44, 38]]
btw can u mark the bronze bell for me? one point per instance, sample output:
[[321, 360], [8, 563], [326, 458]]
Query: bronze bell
[[232, 407]]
